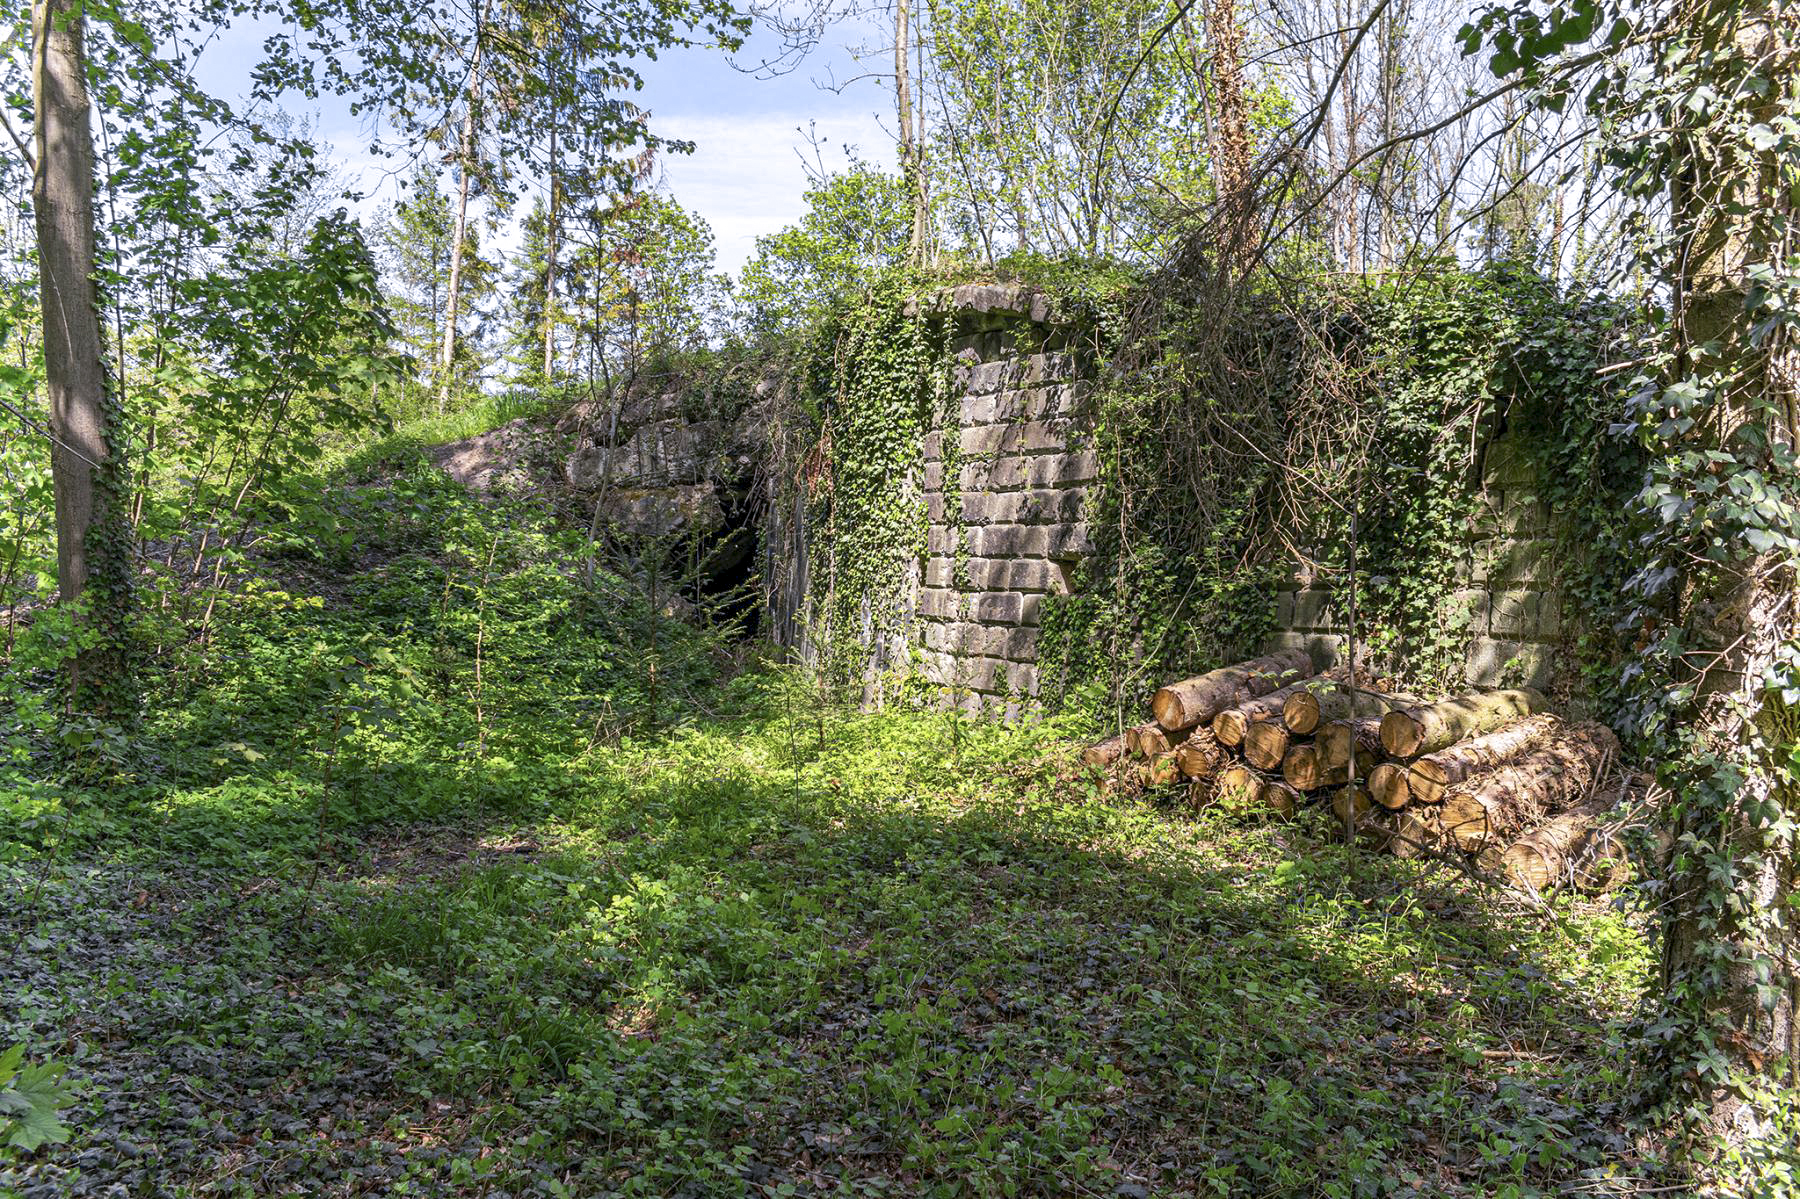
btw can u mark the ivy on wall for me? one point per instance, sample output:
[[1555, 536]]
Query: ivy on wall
[[1242, 434], [873, 400], [1238, 435]]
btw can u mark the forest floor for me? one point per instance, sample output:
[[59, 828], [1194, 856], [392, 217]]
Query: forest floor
[[434, 872]]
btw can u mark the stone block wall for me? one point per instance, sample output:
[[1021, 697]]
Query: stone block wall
[[1005, 480], [1005, 475], [1507, 606]]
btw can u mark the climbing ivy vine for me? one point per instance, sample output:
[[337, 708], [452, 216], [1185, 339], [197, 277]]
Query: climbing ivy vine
[[873, 398], [1243, 434]]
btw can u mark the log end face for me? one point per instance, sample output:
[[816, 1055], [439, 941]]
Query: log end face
[[1300, 712], [1167, 707], [1387, 783], [1400, 734]]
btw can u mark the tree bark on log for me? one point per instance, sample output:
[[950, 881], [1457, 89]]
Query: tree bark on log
[[1185, 704], [1488, 809], [1149, 739], [1105, 753], [1201, 755], [1266, 744], [1387, 783], [1230, 725], [1314, 702], [1336, 739], [1422, 730], [1547, 854], [1430, 776]]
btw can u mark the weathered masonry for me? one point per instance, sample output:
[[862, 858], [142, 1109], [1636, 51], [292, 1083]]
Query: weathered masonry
[[1004, 494], [1507, 609], [1005, 475]]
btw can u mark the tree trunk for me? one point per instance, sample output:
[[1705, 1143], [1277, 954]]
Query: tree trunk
[[1187, 703], [1387, 783], [1150, 738], [1230, 725], [1490, 808], [1266, 744], [551, 216], [909, 147], [1351, 804], [465, 162], [1239, 786], [1336, 739], [1304, 768], [1279, 797], [1433, 774], [1413, 731], [93, 535], [1731, 945], [1160, 770], [1230, 136]]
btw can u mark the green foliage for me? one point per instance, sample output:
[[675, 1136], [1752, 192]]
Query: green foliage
[[324, 929], [1066, 127], [1237, 433], [31, 1096], [857, 225], [1703, 152], [874, 399]]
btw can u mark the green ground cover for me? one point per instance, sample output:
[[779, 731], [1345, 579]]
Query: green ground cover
[[438, 871]]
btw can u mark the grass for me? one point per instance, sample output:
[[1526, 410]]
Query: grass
[[325, 931]]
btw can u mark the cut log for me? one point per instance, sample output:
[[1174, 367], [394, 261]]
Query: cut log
[[1416, 832], [1546, 856], [1410, 732], [1187, 703], [1351, 804], [1201, 755], [1491, 808], [1149, 739], [1160, 770], [1239, 786], [1387, 783], [1304, 768], [1230, 725], [1105, 753], [1336, 739], [1266, 744], [1316, 702], [1281, 798], [1436, 773]]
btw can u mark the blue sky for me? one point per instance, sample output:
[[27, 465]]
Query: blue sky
[[745, 176]]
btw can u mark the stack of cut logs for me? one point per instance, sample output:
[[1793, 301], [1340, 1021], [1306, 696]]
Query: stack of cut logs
[[1490, 773]]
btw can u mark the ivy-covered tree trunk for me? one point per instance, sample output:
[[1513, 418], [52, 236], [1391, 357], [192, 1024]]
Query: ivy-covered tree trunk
[[1731, 954], [93, 540]]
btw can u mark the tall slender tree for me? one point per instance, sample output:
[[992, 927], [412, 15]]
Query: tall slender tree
[[93, 540]]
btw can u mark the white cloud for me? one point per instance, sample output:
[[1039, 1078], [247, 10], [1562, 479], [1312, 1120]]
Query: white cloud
[[745, 175]]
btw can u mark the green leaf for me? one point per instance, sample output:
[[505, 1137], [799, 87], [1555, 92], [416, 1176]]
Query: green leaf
[[29, 1104]]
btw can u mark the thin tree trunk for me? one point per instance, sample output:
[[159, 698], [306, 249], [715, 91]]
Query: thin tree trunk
[[1231, 134], [909, 161], [93, 537], [465, 161], [550, 219]]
